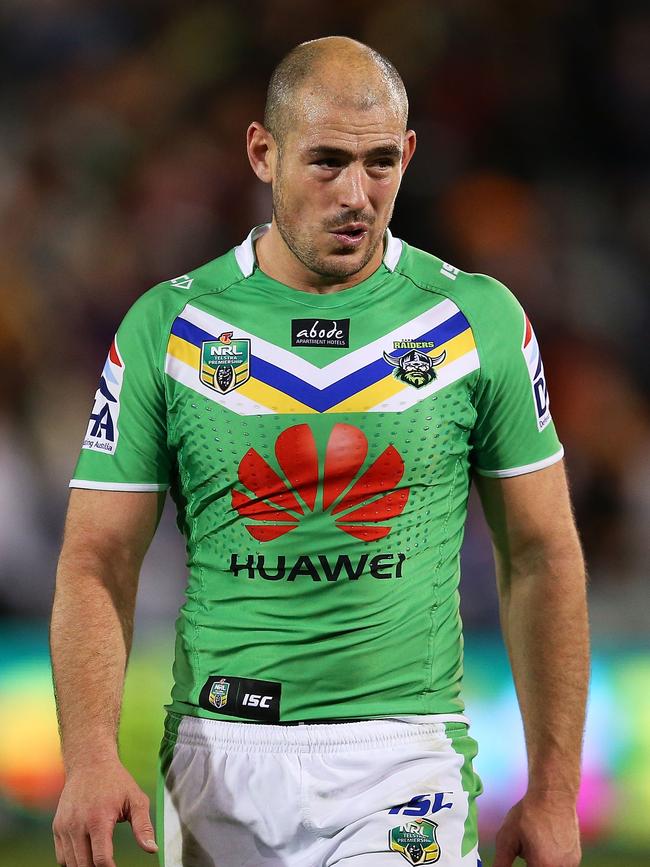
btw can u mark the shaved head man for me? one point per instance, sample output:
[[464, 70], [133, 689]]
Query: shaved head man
[[369, 79], [334, 146], [318, 400]]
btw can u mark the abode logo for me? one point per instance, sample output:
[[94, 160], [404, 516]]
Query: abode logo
[[359, 500], [320, 332]]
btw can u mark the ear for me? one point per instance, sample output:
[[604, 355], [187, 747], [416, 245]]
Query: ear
[[408, 149], [262, 151]]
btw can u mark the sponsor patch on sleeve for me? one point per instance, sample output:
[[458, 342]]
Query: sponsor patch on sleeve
[[530, 348], [103, 431]]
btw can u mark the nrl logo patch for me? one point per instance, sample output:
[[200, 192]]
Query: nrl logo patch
[[415, 841], [219, 693], [225, 362], [415, 367]]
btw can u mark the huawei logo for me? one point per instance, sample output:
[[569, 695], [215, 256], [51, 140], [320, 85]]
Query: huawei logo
[[356, 503]]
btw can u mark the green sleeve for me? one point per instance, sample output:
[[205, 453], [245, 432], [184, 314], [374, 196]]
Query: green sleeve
[[125, 446], [514, 432]]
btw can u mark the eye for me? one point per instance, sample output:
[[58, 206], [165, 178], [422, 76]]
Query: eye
[[383, 163], [328, 163]]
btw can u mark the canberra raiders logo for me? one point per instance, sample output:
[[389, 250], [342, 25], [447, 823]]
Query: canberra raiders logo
[[415, 367], [415, 841], [225, 363]]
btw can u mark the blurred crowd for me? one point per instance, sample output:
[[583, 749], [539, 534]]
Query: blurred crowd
[[122, 163]]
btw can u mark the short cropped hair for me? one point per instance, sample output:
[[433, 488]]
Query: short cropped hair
[[300, 64]]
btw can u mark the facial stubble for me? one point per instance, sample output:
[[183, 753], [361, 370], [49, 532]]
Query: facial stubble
[[305, 248]]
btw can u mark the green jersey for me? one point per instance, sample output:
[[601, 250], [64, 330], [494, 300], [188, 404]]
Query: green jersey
[[319, 449]]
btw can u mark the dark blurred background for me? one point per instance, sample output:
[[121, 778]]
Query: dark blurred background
[[122, 163]]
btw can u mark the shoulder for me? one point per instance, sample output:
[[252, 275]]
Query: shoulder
[[432, 273], [161, 304], [488, 304]]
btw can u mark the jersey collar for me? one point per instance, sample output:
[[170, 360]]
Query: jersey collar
[[245, 252]]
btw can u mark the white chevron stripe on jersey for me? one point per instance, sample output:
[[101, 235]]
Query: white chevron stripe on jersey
[[449, 373], [317, 376], [234, 400]]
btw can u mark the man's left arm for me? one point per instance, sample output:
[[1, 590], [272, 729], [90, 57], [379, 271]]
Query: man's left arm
[[543, 611]]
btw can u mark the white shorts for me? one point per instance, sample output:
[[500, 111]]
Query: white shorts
[[359, 794]]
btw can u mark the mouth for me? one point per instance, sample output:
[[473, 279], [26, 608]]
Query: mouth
[[350, 235]]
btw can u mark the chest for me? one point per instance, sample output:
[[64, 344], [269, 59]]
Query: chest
[[318, 401]]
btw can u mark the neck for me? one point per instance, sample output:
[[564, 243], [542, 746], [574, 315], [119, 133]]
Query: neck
[[277, 261]]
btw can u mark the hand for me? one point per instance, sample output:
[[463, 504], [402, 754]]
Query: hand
[[543, 830], [93, 800]]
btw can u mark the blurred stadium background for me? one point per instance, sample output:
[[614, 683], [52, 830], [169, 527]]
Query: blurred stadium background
[[122, 163]]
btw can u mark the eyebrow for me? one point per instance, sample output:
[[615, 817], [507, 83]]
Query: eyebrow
[[390, 150]]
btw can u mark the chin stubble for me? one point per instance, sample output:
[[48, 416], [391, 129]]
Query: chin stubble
[[308, 255]]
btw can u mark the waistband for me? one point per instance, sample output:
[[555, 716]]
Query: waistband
[[309, 737]]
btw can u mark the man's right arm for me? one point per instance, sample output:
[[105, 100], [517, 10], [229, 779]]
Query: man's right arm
[[106, 537]]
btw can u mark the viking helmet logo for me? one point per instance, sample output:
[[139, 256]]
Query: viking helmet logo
[[414, 367]]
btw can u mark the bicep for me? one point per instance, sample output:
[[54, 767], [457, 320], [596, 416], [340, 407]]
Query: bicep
[[111, 527], [529, 515]]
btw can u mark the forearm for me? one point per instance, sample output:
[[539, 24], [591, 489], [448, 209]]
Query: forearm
[[90, 638], [544, 621], [107, 534]]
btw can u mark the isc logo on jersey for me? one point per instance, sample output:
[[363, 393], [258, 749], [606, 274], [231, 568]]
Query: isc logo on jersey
[[530, 348], [103, 431], [254, 700]]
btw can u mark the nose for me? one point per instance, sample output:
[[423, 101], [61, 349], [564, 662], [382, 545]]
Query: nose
[[353, 193]]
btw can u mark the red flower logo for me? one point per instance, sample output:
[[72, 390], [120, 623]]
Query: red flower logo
[[281, 503]]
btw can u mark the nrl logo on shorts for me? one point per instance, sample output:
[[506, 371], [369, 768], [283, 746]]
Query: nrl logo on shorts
[[415, 841], [415, 367], [225, 362], [219, 693]]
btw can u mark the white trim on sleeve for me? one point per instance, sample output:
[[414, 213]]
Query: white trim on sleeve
[[521, 471], [118, 486]]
